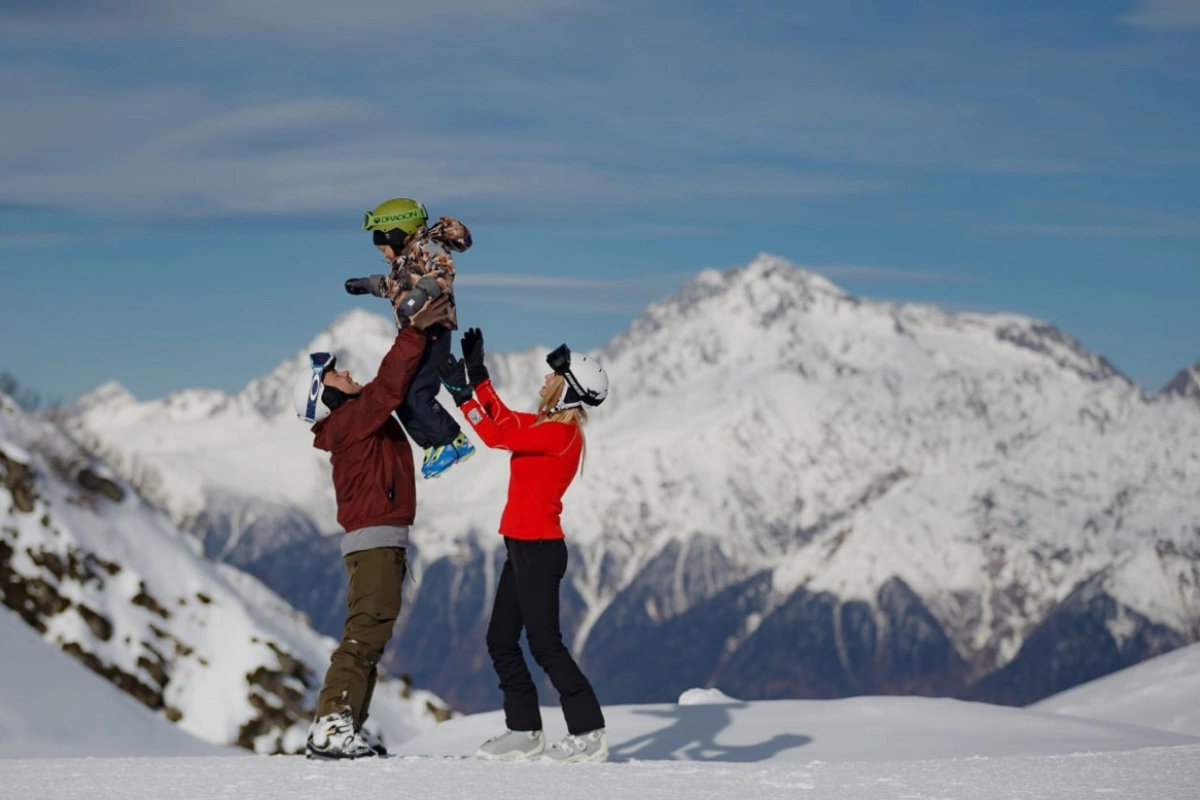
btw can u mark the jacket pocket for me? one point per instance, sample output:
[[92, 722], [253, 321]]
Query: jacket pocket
[[389, 481]]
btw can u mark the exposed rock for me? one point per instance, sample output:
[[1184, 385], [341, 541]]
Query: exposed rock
[[18, 479], [94, 483]]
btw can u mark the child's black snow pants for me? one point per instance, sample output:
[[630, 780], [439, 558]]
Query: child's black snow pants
[[423, 417]]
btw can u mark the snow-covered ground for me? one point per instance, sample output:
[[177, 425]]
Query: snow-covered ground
[[1163, 692], [705, 746], [868, 747], [1169, 773]]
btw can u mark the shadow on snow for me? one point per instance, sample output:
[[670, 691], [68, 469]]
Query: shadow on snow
[[693, 736]]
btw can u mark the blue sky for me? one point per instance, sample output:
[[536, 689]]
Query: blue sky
[[182, 184]]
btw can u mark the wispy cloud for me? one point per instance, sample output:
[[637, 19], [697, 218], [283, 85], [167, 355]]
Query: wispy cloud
[[1162, 15], [601, 295], [655, 230], [26, 239], [1162, 226], [189, 151], [510, 281], [866, 272], [548, 108], [308, 18], [578, 303], [631, 295]]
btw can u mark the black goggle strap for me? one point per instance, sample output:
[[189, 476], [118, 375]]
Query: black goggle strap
[[572, 383]]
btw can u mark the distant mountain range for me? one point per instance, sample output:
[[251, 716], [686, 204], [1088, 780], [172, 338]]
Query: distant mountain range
[[791, 492]]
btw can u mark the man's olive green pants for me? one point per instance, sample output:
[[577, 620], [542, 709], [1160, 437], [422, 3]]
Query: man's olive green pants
[[372, 606]]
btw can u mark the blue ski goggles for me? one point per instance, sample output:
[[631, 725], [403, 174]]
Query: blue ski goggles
[[320, 362]]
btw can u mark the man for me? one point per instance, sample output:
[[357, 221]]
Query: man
[[376, 502]]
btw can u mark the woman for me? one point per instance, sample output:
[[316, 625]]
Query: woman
[[547, 450]]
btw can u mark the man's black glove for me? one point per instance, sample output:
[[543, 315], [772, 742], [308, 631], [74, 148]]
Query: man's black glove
[[472, 348], [372, 284], [453, 374]]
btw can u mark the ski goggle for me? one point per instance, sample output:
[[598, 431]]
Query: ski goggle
[[559, 359], [320, 362]]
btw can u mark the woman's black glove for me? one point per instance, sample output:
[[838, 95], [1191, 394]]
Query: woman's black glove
[[453, 374], [472, 348]]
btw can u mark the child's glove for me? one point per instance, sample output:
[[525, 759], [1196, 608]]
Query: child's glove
[[426, 289], [453, 374], [372, 284]]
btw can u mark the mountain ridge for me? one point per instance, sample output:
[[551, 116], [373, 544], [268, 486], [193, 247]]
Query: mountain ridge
[[764, 425], [1186, 383]]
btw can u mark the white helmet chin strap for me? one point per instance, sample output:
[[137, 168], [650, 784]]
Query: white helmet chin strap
[[562, 405]]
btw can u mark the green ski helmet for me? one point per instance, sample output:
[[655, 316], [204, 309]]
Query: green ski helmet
[[401, 212]]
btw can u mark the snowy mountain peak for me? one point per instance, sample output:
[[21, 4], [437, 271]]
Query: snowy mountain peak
[[358, 338], [776, 314], [1052, 343], [113, 401], [1186, 383], [110, 395], [765, 284], [351, 328], [192, 404], [766, 266], [723, 313]]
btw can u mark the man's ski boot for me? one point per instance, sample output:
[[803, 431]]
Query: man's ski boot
[[372, 741], [333, 737], [443, 457]]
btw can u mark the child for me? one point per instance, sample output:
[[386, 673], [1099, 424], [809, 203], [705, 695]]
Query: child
[[421, 270]]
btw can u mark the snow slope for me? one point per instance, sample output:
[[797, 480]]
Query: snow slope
[[111, 580], [791, 492], [1163, 692], [839, 750], [51, 706]]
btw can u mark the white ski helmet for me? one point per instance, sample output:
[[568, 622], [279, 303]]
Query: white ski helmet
[[309, 388], [587, 382]]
